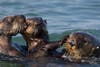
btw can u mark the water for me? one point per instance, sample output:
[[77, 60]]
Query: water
[[63, 16]]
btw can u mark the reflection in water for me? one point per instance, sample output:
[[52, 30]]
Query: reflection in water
[[43, 62], [8, 64], [47, 62]]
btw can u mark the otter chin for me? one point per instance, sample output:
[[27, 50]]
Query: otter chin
[[81, 45]]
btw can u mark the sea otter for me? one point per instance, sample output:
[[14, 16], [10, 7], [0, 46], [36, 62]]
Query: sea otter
[[80, 45], [10, 26], [37, 38], [35, 32]]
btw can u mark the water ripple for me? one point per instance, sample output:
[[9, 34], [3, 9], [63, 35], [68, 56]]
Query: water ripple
[[60, 15]]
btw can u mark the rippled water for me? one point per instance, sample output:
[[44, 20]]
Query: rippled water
[[63, 16]]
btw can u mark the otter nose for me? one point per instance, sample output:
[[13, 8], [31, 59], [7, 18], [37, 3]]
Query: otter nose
[[72, 43]]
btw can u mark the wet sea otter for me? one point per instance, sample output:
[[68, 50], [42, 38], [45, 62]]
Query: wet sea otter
[[80, 45], [36, 31], [9, 26], [37, 38]]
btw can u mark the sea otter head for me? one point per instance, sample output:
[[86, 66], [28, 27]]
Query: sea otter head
[[36, 28], [14, 24], [79, 45]]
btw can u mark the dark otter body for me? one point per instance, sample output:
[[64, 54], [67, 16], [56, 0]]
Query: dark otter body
[[80, 45], [10, 26]]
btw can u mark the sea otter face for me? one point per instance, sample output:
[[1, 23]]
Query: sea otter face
[[71, 47], [77, 40], [35, 24], [36, 28], [14, 24], [80, 45]]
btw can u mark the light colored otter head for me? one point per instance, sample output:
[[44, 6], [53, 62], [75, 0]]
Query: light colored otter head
[[36, 28], [80, 45], [14, 24]]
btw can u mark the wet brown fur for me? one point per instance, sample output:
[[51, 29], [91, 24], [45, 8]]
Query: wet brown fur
[[36, 29], [9, 26], [14, 24], [80, 45], [36, 37]]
